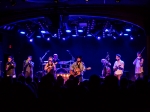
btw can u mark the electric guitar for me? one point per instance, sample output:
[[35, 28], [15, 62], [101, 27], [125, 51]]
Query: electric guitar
[[77, 71]]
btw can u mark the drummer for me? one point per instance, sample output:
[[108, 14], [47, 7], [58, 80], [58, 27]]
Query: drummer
[[55, 59]]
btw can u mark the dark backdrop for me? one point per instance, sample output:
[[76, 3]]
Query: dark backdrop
[[91, 49]]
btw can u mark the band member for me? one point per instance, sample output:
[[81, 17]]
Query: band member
[[10, 67], [138, 62], [28, 66], [50, 67], [55, 59], [50, 58], [118, 66], [77, 68], [106, 68]]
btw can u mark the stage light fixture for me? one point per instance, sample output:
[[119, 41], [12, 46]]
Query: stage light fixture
[[31, 40], [114, 37], [63, 38], [74, 35], [48, 39], [128, 30], [98, 38], [131, 38], [89, 35], [22, 32], [125, 34], [38, 36], [80, 31], [68, 31]]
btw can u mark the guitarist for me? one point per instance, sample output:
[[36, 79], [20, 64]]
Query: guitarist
[[77, 68], [118, 66]]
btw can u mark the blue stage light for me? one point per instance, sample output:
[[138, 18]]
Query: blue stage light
[[22, 32], [89, 35], [63, 39], [125, 34], [74, 35], [80, 31], [128, 30], [31, 40], [68, 31], [38, 36], [98, 38], [48, 39]]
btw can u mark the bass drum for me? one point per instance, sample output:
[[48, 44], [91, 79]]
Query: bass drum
[[64, 73]]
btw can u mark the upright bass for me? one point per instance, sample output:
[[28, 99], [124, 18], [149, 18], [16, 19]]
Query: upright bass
[[106, 66]]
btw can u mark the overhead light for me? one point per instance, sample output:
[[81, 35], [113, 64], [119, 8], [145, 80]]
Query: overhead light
[[22, 32], [68, 31], [128, 30]]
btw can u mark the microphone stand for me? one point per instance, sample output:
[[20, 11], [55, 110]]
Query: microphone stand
[[71, 57], [41, 59]]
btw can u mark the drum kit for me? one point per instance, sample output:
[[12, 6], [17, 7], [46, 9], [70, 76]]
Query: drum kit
[[62, 67]]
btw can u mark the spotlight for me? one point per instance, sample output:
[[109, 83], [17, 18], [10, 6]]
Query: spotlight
[[38, 36], [68, 31], [98, 38], [74, 35], [128, 30], [125, 34], [31, 40], [131, 38], [22, 32], [63, 39], [114, 37], [80, 31], [89, 35], [48, 39]]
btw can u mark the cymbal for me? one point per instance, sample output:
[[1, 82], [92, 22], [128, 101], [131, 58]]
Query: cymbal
[[63, 62]]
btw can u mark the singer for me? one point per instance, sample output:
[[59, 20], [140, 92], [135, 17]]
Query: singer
[[10, 68], [77, 69], [138, 62], [118, 67], [50, 67], [28, 67]]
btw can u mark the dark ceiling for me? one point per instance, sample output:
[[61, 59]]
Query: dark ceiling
[[57, 27], [30, 4]]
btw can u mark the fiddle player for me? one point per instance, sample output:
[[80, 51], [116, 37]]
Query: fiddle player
[[138, 62], [28, 66], [10, 67], [50, 67], [118, 66], [77, 68]]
